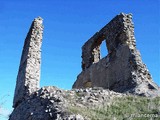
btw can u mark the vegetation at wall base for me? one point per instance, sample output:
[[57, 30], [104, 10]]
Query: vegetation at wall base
[[124, 108]]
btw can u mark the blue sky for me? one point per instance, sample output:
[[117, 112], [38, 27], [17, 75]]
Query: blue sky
[[67, 25]]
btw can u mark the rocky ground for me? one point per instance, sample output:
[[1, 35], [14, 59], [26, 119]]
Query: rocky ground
[[51, 103]]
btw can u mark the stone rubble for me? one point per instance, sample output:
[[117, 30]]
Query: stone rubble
[[51, 103]]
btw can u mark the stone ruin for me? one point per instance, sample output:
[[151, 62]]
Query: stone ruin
[[122, 70], [29, 70]]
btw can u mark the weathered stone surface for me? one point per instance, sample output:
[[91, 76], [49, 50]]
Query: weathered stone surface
[[29, 69], [51, 103], [122, 70], [46, 104]]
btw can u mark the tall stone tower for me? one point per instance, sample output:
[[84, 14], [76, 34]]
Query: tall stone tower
[[29, 70]]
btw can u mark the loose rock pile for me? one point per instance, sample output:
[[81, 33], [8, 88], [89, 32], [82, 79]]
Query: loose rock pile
[[51, 103]]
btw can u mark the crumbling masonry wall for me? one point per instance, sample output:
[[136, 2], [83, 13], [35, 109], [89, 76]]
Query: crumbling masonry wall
[[119, 27], [29, 69], [122, 69]]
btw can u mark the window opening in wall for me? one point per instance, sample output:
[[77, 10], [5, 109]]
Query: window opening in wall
[[103, 49]]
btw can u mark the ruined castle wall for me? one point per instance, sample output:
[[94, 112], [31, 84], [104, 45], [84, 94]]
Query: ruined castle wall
[[107, 71], [122, 69], [29, 70], [114, 30]]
